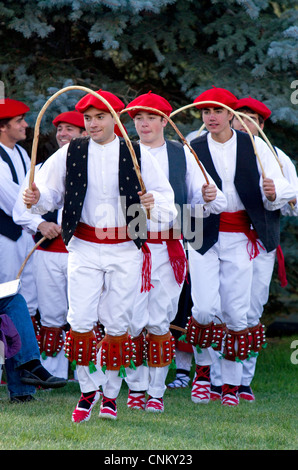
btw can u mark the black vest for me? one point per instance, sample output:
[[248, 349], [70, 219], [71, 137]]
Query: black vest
[[177, 171], [76, 187], [8, 227], [266, 223]]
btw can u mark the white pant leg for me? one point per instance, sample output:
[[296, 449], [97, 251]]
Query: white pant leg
[[138, 379], [163, 306], [221, 281], [157, 379], [155, 311], [51, 280], [90, 381], [263, 266], [215, 370], [50, 271], [183, 360], [206, 299], [12, 256], [103, 281], [58, 365]]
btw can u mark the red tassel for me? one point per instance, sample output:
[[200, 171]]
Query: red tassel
[[178, 260], [146, 269], [281, 267], [253, 244]]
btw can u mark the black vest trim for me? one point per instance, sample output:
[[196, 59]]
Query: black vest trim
[[266, 223], [76, 187], [177, 171], [8, 227]]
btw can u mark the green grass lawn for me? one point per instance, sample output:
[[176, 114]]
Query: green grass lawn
[[270, 423]]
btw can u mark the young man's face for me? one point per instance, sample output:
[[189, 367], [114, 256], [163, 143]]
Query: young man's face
[[217, 120], [65, 132], [150, 128], [251, 126], [15, 129], [99, 125]]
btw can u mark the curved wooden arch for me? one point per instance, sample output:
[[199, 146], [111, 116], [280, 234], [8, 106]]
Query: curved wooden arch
[[154, 110], [217, 103], [114, 114]]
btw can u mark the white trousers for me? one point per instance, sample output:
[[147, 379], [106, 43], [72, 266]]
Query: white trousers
[[221, 286], [12, 256], [103, 281], [155, 310], [50, 271], [263, 266]]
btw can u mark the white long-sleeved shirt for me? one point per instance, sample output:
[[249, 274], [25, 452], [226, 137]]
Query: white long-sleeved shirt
[[224, 159], [102, 206], [8, 189], [22, 216], [290, 173], [194, 180]]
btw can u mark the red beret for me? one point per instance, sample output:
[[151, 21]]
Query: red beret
[[70, 117], [255, 105], [91, 100], [12, 108], [216, 94], [150, 100]]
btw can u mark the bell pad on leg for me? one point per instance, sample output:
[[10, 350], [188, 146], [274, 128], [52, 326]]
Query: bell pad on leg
[[50, 341], [161, 349], [80, 348]]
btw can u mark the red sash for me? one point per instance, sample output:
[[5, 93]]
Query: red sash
[[175, 250], [112, 235], [240, 222], [57, 245]]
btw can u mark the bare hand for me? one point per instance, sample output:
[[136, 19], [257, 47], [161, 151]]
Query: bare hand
[[49, 229], [31, 196], [209, 192], [147, 200], [269, 189]]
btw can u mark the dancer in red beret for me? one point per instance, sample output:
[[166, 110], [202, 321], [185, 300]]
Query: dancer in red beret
[[16, 243], [155, 310], [264, 263], [104, 229], [69, 125], [50, 260], [221, 270]]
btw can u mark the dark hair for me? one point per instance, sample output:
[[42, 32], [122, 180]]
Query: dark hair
[[4, 122], [249, 110]]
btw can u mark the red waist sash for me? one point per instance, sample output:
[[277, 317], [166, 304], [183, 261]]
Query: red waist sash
[[112, 235], [56, 246], [176, 252], [240, 222]]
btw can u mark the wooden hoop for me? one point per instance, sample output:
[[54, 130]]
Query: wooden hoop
[[154, 110], [114, 114], [235, 113], [28, 256]]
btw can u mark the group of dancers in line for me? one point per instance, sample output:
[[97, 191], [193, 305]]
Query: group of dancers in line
[[122, 265]]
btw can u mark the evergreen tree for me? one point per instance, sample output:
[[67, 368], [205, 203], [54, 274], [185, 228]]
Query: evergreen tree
[[176, 48]]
